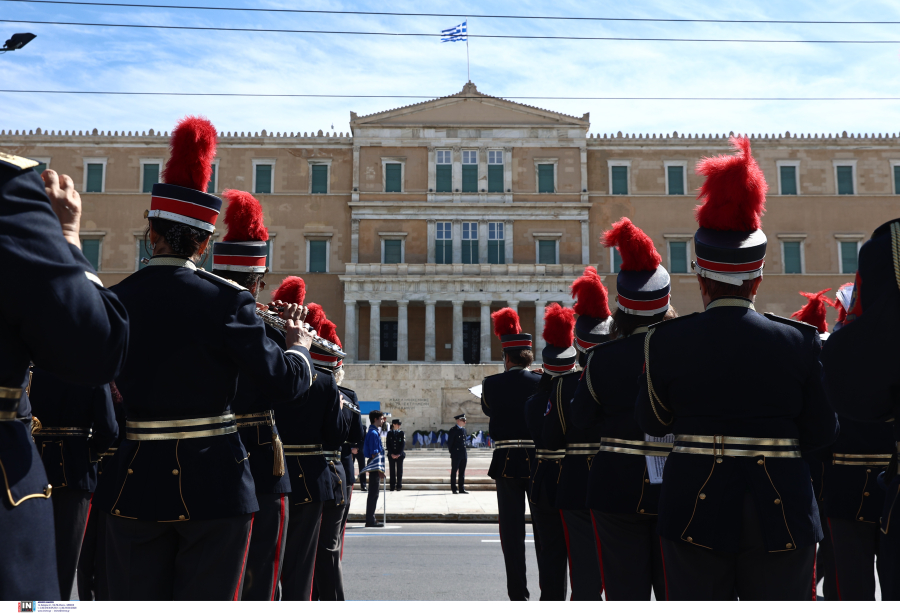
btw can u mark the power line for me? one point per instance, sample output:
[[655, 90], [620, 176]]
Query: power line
[[610, 98], [397, 14], [412, 34]]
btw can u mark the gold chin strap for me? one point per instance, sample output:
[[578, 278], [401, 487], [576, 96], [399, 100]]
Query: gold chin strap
[[559, 409]]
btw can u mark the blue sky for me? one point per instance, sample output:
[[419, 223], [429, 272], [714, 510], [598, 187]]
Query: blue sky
[[87, 58]]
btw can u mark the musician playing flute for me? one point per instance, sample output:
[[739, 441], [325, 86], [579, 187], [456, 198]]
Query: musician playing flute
[[181, 519]]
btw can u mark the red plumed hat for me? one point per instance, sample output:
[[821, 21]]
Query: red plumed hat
[[328, 331], [591, 295], [244, 218], [506, 322], [316, 316], [635, 247], [291, 290], [815, 310], [734, 193], [192, 151], [559, 325], [844, 294]]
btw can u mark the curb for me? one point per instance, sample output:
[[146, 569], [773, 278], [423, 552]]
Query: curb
[[435, 517]]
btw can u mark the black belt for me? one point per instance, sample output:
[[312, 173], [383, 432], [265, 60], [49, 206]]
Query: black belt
[[514, 444], [737, 446], [549, 454], [645, 448], [55, 432], [266, 418], [862, 459], [179, 429], [297, 450]]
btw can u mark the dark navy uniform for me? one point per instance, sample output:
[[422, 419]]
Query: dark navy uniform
[[184, 492], [354, 441], [77, 425], [459, 456], [396, 445], [503, 398], [862, 376], [306, 426], [549, 534], [55, 300]]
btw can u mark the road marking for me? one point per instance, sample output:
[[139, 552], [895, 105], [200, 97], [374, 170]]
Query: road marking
[[497, 541], [349, 535]]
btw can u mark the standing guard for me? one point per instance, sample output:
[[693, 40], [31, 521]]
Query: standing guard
[[66, 306], [862, 379], [503, 398], [737, 514], [459, 455], [625, 474], [396, 448], [184, 498]]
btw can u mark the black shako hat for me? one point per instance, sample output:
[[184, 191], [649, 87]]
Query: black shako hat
[[559, 356], [244, 248], [642, 285], [509, 331], [594, 322]]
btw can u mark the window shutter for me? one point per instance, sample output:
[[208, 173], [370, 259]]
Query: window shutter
[[91, 249], [617, 261], [792, 262], [392, 178], [845, 180], [676, 180], [849, 258], [392, 251], [319, 179], [897, 179], [677, 257], [545, 179], [470, 178], [151, 176], [620, 180], [788, 180], [269, 255], [94, 178], [546, 252], [41, 167], [443, 252], [211, 186], [444, 178], [495, 178], [318, 256], [264, 179], [470, 252], [496, 252]]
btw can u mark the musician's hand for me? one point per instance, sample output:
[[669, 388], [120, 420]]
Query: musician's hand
[[538, 371], [66, 203]]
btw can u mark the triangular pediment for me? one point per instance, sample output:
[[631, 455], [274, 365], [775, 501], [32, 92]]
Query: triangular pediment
[[469, 108]]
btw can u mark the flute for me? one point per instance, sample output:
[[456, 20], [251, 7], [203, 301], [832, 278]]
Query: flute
[[270, 318]]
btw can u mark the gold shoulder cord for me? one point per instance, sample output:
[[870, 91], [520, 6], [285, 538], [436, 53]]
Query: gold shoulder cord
[[895, 248], [587, 377], [650, 389], [559, 409]]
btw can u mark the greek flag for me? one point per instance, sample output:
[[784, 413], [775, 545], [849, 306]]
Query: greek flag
[[456, 34], [376, 464]]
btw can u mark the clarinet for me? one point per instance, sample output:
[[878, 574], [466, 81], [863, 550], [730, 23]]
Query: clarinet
[[271, 319]]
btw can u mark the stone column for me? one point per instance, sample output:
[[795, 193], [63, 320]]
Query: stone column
[[584, 175], [402, 331], [375, 330], [458, 331], [482, 242], [585, 242], [354, 241], [350, 331], [482, 169], [429, 330], [355, 195], [457, 169], [486, 329], [429, 236], [457, 241], [508, 238], [432, 171], [507, 169], [513, 304], [538, 341]]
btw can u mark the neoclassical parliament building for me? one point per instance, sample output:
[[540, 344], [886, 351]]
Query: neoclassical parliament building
[[414, 227]]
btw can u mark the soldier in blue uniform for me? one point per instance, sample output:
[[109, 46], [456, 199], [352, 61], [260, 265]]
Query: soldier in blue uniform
[[459, 456], [77, 424], [396, 449], [622, 492], [741, 392], [241, 257], [503, 398], [60, 297], [184, 494], [862, 379]]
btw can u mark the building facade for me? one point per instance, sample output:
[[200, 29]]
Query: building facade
[[412, 229]]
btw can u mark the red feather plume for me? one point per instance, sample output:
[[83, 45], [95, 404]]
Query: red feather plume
[[316, 316], [192, 151], [244, 218], [506, 321], [842, 311], [328, 331], [815, 310], [559, 325], [635, 247], [734, 193], [292, 290], [591, 295]]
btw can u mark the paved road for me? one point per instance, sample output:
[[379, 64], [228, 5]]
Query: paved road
[[429, 562]]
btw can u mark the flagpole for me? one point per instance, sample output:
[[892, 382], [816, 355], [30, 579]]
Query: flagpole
[[468, 71]]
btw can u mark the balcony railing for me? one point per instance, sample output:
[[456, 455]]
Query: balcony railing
[[504, 270]]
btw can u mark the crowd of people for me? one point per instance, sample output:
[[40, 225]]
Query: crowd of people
[[706, 456]]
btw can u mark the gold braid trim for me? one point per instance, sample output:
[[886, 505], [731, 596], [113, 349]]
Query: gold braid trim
[[587, 376], [559, 409], [895, 248], [652, 392]]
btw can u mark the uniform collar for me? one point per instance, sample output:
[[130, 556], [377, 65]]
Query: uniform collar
[[514, 368], [171, 260], [732, 301], [639, 330]]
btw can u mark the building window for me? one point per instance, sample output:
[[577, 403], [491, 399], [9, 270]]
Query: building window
[[546, 182], [213, 177], [43, 164], [143, 251], [317, 256], [547, 251], [849, 257], [615, 260], [318, 178], [393, 177], [470, 171], [896, 178], [496, 243], [95, 175], [263, 171], [470, 242], [495, 171], [389, 330], [392, 251], [90, 247], [845, 177], [444, 171], [619, 176], [678, 257], [792, 253], [443, 243], [269, 255], [788, 175], [675, 179], [149, 176]]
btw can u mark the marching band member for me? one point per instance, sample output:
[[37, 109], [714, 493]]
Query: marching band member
[[354, 441], [40, 217], [183, 509], [503, 399], [862, 379], [737, 513], [622, 493]]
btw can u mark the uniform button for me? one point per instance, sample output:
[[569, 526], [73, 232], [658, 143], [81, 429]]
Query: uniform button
[[181, 517], [175, 472], [130, 471], [117, 512], [339, 482], [306, 500], [718, 460], [760, 462], [865, 493], [778, 501], [48, 489], [702, 496], [789, 546], [641, 511], [868, 470], [646, 480], [60, 463], [861, 519], [689, 540]]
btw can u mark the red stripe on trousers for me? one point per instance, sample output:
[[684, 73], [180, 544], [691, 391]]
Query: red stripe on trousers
[[569, 553], [837, 583], [237, 589], [665, 576], [87, 521], [278, 548], [599, 555], [814, 576]]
